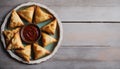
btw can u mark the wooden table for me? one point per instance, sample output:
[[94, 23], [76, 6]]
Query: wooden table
[[91, 38]]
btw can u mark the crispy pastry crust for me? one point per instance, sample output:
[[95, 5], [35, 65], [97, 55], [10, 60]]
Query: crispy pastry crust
[[25, 54], [41, 15], [46, 39], [50, 28], [27, 13], [39, 51], [15, 20]]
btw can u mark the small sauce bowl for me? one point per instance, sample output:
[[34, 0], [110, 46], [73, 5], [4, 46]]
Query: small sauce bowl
[[30, 33]]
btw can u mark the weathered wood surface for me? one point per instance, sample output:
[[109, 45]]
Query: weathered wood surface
[[72, 58], [91, 35], [77, 10]]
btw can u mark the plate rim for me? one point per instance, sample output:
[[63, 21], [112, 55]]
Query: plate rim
[[55, 48]]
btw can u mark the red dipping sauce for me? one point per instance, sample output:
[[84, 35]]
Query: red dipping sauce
[[30, 33]]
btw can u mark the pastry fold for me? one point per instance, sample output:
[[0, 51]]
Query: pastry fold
[[9, 34], [50, 28], [39, 51], [26, 53], [27, 13], [15, 42], [41, 15], [47, 39], [15, 20]]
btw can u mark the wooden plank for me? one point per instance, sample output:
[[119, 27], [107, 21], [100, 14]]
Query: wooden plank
[[91, 34], [66, 65], [87, 54], [89, 13], [79, 10], [100, 3], [72, 58]]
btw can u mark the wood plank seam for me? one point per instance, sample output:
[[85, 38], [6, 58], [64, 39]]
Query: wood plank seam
[[90, 21], [91, 46]]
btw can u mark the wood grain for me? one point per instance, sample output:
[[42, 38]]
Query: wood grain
[[91, 34], [87, 54], [72, 58], [79, 10], [68, 3]]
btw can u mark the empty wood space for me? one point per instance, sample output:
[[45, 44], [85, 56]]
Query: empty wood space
[[91, 34]]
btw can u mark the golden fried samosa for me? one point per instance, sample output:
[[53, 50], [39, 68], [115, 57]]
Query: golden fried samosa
[[47, 39], [26, 53], [50, 28], [15, 42], [39, 51], [9, 34], [41, 15], [15, 20], [27, 13]]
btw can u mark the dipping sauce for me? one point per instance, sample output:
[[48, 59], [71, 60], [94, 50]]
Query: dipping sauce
[[30, 33]]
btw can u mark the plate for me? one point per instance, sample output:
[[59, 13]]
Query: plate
[[51, 47]]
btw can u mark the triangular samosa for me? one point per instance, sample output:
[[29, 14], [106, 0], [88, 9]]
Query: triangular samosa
[[15, 42], [15, 20], [41, 15], [9, 34], [25, 54], [39, 51], [47, 39], [50, 28], [27, 13]]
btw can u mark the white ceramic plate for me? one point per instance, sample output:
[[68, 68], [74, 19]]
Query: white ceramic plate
[[60, 34]]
